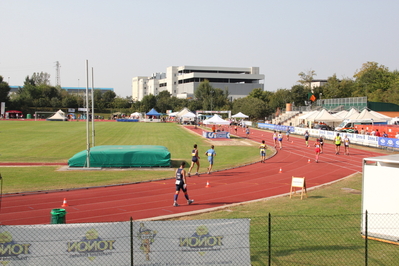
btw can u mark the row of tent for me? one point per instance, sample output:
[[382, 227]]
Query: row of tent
[[187, 114], [353, 114]]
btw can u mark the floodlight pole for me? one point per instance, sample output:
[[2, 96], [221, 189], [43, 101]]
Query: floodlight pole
[[92, 108], [87, 116]]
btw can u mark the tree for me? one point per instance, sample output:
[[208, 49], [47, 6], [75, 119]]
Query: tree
[[209, 97], [4, 90], [41, 78], [253, 107], [147, 103], [299, 94], [307, 78], [120, 103], [279, 99], [335, 88], [108, 97], [373, 81]]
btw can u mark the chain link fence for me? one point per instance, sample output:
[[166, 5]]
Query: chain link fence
[[350, 239]]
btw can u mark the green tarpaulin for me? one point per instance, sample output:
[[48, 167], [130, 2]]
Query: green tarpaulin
[[123, 156]]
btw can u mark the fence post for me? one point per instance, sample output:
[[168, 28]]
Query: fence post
[[131, 242], [270, 239], [366, 241]]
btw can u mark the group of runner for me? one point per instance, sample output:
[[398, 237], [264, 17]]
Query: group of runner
[[319, 143], [181, 180]]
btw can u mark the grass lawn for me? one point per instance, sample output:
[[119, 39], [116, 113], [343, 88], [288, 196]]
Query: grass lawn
[[323, 229], [45, 141]]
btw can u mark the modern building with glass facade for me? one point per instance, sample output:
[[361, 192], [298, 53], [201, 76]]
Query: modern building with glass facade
[[182, 81]]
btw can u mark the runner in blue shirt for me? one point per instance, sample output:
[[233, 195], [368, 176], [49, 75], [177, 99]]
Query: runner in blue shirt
[[210, 153]]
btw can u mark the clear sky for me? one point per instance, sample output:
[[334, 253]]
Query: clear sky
[[122, 39]]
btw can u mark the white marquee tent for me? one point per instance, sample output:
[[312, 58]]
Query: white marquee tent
[[341, 114], [217, 120], [189, 115], [352, 114], [239, 115], [58, 116], [365, 114], [325, 116], [309, 116]]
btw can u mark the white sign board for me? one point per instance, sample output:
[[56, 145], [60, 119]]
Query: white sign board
[[196, 242]]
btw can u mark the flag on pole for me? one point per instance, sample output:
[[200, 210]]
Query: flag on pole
[[312, 98]]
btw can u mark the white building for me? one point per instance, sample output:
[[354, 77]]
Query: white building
[[182, 81], [317, 83]]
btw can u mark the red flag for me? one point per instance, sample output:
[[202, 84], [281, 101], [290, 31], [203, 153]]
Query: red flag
[[312, 98]]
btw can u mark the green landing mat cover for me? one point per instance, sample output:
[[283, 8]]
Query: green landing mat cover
[[123, 156]]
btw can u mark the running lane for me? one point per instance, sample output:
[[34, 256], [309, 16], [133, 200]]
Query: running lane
[[154, 199]]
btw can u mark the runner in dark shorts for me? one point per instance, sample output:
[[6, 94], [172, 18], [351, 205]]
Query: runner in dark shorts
[[181, 184], [194, 160]]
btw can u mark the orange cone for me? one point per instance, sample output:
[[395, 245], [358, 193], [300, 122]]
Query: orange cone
[[207, 184], [64, 204], [281, 170], [308, 160]]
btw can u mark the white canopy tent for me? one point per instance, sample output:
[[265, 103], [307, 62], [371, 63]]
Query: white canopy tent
[[135, 114], [182, 112], [366, 115], [239, 115], [341, 114], [173, 114], [379, 115], [58, 116], [217, 120], [189, 115], [325, 116], [352, 114], [309, 115]]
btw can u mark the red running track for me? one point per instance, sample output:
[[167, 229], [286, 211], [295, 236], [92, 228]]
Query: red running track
[[154, 199]]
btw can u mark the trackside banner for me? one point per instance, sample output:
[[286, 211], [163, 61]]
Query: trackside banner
[[160, 243], [216, 135]]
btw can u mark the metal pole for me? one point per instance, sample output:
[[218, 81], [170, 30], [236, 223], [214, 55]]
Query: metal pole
[[92, 108], [366, 250], [87, 116], [270, 241], [131, 242], [1, 190]]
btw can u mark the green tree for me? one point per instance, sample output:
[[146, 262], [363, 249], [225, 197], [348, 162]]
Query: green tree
[[373, 80], [163, 101], [307, 78], [147, 103], [4, 90], [209, 97], [108, 97], [279, 99], [41, 78], [253, 107], [70, 101], [260, 94], [204, 94], [299, 94], [335, 88], [120, 103]]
